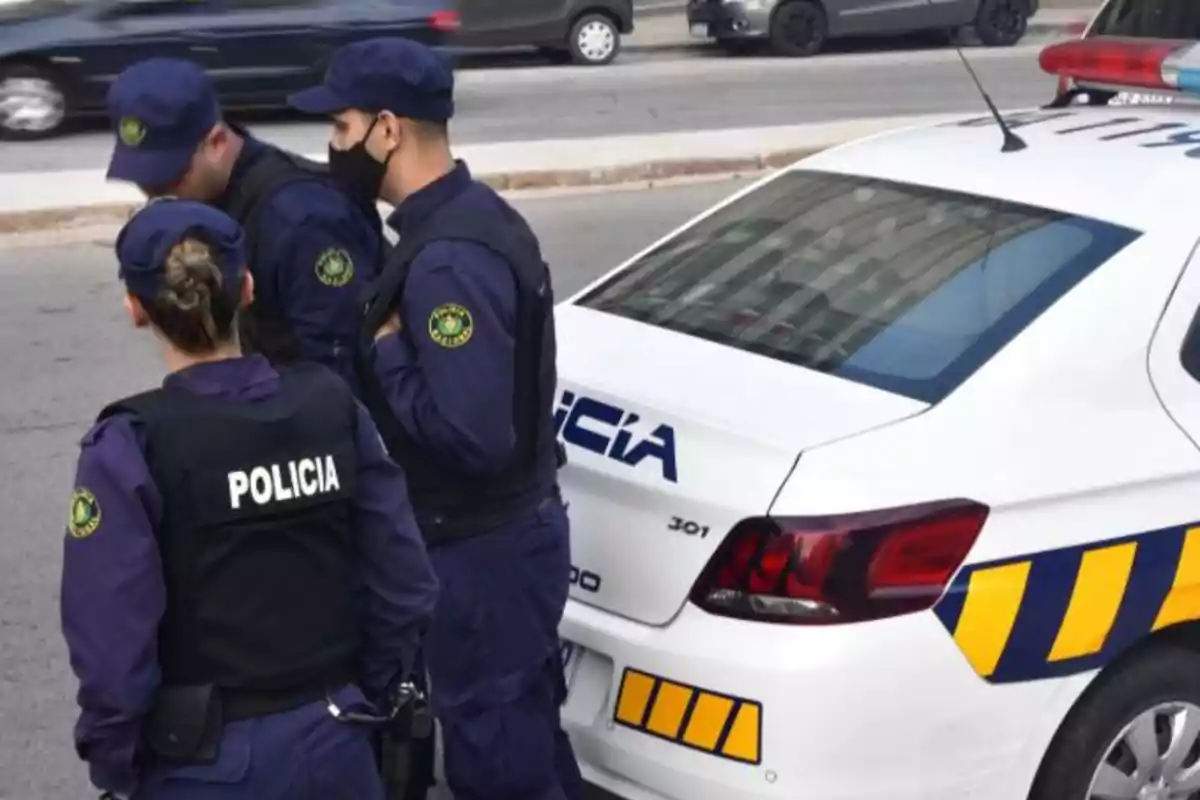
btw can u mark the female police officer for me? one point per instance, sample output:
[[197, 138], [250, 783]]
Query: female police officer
[[241, 558]]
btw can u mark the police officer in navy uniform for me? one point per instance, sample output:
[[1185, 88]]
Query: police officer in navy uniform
[[311, 248], [460, 378], [241, 558]]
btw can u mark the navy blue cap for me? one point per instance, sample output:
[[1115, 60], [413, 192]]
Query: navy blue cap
[[146, 240], [392, 74], [161, 109]]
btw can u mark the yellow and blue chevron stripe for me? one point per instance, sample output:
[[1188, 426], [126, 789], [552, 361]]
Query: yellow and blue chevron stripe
[[1059, 612]]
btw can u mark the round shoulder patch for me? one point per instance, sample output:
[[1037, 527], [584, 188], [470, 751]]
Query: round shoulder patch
[[85, 514], [334, 267], [450, 325]]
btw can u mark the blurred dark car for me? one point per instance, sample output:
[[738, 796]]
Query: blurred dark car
[[58, 57], [579, 31]]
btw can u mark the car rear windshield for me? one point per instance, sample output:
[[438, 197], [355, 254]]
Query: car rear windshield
[[1156, 19], [905, 288]]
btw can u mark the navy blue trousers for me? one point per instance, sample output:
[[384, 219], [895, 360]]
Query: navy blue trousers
[[494, 662], [303, 754]]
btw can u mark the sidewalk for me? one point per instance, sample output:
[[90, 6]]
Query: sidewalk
[[37, 201], [664, 26]]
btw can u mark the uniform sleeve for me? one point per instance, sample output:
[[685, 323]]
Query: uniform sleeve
[[398, 579], [319, 254], [448, 375], [113, 598]]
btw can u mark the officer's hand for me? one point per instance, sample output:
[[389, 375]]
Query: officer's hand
[[390, 325]]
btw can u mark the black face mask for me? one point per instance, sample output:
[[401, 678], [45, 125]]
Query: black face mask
[[357, 170]]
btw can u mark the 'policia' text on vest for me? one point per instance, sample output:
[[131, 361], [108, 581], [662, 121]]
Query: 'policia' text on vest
[[303, 478]]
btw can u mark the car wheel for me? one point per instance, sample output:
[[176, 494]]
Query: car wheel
[[594, 40], [799, 28], [32, 103], [1136, 735], [1002, 23]]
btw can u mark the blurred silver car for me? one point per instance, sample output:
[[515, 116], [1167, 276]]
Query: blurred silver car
[[802, 27]]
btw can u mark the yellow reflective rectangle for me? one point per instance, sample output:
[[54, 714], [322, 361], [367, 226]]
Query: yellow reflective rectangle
[[742, 742], [635, 695], [707, 721], [670, 704]]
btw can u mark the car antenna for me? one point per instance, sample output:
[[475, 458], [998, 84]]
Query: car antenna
[[1012, 142]]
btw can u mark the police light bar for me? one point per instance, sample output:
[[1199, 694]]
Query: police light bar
[[1163, 64]]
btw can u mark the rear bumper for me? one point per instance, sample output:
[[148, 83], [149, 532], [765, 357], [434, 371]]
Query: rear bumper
[[729, 20], [718, 708]]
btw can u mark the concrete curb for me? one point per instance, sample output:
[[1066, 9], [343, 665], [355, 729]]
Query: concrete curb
[[646, 171], [37, 202]]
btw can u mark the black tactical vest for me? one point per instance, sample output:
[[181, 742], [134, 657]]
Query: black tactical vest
[[450, 504], [263, 329], [256, 534]]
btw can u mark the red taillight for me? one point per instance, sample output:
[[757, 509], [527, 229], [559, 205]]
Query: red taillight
[[848, 568], [444, 20]]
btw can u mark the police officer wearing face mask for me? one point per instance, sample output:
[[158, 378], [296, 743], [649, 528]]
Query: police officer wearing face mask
[[460, 379], [241, 558], [311, 247]]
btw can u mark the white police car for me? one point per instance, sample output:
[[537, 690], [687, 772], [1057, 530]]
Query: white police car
[[885, 473]]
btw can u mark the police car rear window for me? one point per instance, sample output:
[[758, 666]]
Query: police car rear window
[[905, 288]]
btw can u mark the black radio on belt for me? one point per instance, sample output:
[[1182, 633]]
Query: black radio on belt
[[185, 723]]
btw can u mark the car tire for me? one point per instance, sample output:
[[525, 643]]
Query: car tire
[[1093, 743], [799, 28], [33, 103], [594, 40], [1002, 23]]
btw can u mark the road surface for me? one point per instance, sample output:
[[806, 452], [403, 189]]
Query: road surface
[[69, 350], [655, 95]]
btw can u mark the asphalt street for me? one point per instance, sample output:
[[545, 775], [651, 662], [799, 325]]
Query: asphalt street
[[69, 350], [523, 101]]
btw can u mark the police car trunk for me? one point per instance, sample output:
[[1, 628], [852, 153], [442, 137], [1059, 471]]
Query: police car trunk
[[809, 308], [660, 475]]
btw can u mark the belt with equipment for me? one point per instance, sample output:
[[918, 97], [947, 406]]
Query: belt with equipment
[[185, 723], [409, 719], [442, 529]]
